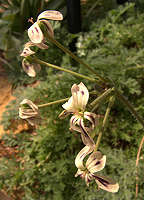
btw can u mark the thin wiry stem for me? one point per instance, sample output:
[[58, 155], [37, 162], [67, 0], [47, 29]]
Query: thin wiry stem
[[105, 120]]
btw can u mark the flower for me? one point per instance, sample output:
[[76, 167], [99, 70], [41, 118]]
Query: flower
[[30, 68], [95, 162], [29, 111], [76, 105], [35, 33]]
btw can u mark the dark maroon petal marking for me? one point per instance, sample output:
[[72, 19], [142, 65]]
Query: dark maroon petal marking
[[97, 163], [102, 181], [36, 30], [82, 92], [82, 155]]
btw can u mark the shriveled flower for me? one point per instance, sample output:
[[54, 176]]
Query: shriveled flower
[[95, 163], [76, 105], [27, 52], [35, 33], [30, 68], [29, 111]]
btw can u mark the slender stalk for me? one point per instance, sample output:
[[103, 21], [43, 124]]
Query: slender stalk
[[105, 120], [137, 161], [103, 96], [36, 60], [53, 102], [73, 56], [130, 107]]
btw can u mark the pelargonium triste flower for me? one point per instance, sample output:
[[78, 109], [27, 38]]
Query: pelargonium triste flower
[[35, 33], [29, 111], [76, 105], [95, 163], [30, 68]]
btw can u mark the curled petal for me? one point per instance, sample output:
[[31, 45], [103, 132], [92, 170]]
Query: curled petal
[[106, 184], [92, 117], [81, 155], [87, 140], [35, 34], [74, 121], [95, 162], [27, 52], [50, 14], [48, 27]]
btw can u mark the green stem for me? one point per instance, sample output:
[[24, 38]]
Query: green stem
[[103, 96], [36, 60], [130, 107], [105, 120], [53, 102], [73, 56]]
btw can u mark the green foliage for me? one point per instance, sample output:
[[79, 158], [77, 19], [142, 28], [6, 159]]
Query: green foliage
[[44, 167]]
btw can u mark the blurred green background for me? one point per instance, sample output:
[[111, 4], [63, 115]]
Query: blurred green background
[[41, 166]]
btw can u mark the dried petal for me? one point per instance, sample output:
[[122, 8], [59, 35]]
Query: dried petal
[[28, 68], [27, 52]]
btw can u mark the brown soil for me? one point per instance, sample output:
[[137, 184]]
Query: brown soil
[[5, 94]]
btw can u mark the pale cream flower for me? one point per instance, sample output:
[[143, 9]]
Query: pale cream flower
[[29, 111], [95, 163], [35, 33], [76, 105]]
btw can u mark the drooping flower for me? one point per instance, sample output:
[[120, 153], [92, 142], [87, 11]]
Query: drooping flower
[[35, 33], [76, 105], [95, 163], [29, 111], [30, 68]]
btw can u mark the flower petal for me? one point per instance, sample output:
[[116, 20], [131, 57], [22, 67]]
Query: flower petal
[[95, 162], [80, 96], [50, 14], [35, 34], [42, 45], [27, 109], [28, 68], [92, 117], [48, 27], [69, 106], [87, 140], [81, 155], [106, 184]]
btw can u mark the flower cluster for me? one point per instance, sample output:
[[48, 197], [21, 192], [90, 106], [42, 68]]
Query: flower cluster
[[76, 106], [82, 121], [37, 38]]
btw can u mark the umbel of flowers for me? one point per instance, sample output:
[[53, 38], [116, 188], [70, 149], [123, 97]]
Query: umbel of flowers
[[36, 37], [82, 121], [76, 106]]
